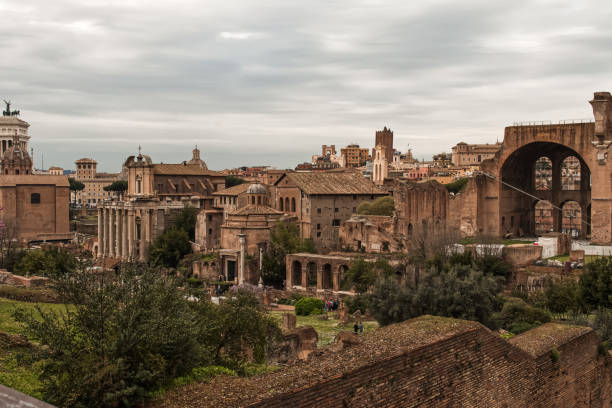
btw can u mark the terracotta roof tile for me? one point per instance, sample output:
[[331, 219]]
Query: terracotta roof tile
[[183, 169], [334, 183], [234, 190]]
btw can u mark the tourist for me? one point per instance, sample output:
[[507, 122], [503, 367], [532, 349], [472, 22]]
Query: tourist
[[360, 327]]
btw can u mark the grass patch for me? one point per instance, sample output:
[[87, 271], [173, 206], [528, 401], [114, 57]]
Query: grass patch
[[7, 306], [326, 329], [19, 371], [517, 241]]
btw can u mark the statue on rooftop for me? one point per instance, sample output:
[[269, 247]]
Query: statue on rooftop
[[8, 111]]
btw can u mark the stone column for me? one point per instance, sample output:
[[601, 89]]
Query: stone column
[[130, 236], [104, 232], [555, 192], [124, 235], [100, 234], [242, 269], [320, 277], [141, 241], [145, 233], [336, 281], [111, 233], [118, 233], [304, 280]]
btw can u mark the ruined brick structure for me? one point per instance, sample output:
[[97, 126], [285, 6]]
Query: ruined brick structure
[[430, 362], [420, 207], [316, 271], [370, 233], [513, 168]]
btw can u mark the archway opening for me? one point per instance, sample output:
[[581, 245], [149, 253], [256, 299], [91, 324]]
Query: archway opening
[[296, 273], [327, 277], [536, 172], [571, 220], [312, 275]]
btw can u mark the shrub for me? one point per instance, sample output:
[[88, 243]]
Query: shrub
[[354, 303], [380, 206], [596, 283], [28, 294], [308, 305], [517, 316], [456, 186]]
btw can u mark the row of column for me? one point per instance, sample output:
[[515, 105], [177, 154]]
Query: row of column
[[121, 235], [335, 277]]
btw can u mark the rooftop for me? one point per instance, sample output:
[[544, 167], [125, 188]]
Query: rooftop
[[322, 183], [183, 169], [233, 190]]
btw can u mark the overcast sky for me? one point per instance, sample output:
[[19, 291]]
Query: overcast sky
[[268, 82]]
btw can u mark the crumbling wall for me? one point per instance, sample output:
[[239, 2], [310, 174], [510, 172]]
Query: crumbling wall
[[434, 362], [369, 233]]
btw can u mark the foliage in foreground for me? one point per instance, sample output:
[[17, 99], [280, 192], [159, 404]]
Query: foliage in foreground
[[133, 332]]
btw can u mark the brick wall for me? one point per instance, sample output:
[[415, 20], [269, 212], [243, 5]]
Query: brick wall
[[431, 362]]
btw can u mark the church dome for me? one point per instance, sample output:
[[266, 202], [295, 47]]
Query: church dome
[[256, 188]]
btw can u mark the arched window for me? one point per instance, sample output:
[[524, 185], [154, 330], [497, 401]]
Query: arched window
[[286, 203], [570, 174], [293, 204], [280, 204], [252, 199], [543, 174], [35, 198], [258, 200]]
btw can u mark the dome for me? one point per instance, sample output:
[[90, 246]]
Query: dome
[[256, 188]]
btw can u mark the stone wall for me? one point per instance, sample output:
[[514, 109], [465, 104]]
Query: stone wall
[[419, 206], [522, 254], [432, 362], [373, 233]]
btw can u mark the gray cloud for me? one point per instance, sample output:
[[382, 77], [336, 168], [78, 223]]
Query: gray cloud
[[268, 82]]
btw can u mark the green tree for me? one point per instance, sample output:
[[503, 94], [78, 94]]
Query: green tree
[[244, 324], [380, 206], [596, 283], [231, 181], [517, 316], [49, 262], [563, 297], [284, 239], [457, 185], [74, 186], [361, 275], [118, 186], [169, 248], [131, 332], [125, 335], [459, 293], [186, 220]]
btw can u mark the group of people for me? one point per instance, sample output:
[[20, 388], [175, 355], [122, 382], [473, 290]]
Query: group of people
[[330, 305]]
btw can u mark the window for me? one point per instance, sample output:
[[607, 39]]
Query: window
[[252, 199], [319, 211], [258, 200], [318, 235], [336, 222], [280, 204], [336, 209], [35, 198], [318, 226], [293, 204]]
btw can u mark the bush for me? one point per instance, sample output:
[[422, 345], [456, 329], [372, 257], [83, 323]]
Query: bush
[[460, 293], [456, 186], [354, 303], [23, 294], [517, 316], [596, 283], [169, 248], [133, 332], [46, 262], [308, 305], [563, 297], [380, 206]]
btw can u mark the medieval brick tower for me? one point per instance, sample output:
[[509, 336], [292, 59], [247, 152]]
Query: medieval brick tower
[[385, 139]]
